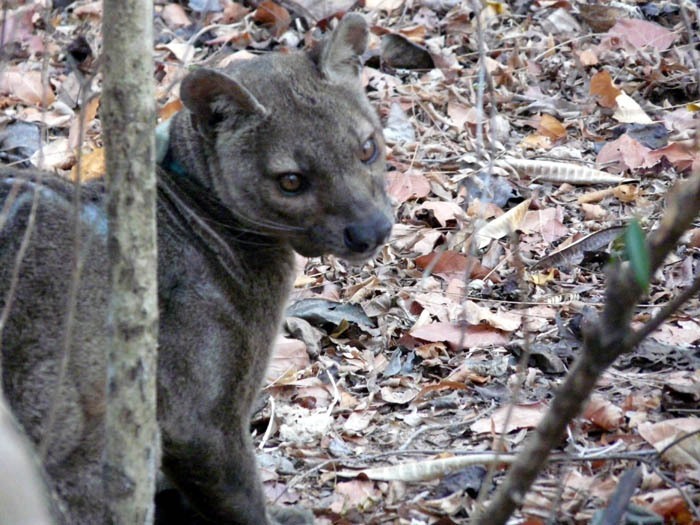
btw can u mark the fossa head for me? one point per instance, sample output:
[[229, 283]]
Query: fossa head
[[297, 149]]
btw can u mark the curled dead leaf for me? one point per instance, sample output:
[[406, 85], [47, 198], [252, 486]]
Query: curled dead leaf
[[603, 413]]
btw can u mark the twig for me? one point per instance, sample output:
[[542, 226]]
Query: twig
[[14, 278], [620, 499], [77, 262], [668, 309], [431, 428], [270, 425], [606, 339]]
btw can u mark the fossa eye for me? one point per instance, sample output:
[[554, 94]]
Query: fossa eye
[[291, 183], [369, 151]]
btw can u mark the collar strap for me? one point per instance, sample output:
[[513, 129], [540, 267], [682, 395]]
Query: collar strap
[[164, 156]]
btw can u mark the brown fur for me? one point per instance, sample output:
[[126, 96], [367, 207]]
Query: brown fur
[[226, 235]]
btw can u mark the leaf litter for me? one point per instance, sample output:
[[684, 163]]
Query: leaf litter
[[502, 149]]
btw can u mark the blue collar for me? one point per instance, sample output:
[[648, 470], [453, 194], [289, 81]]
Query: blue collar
[[164, 157]]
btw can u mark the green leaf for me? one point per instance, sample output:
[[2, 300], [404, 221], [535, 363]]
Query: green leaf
[[637, 254]]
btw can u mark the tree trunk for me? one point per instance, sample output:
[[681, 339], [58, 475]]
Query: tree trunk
[[128, 118]]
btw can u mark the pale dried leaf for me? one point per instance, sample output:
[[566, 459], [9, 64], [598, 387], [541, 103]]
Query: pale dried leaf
[[502, 226], [506, 321], [591, 242], [26, 86], [355, 494], [429, 469], [459, 337], [384, 5], [409, 185], [641, 33], [56, 154], [174, 16], [507, 419], [629, 111], [560, 172], [661, 435], [358, 421], [288, 357]]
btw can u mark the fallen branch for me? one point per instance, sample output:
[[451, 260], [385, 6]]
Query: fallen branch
[[606, 338]]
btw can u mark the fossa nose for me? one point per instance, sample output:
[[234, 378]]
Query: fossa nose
[[363, 236]]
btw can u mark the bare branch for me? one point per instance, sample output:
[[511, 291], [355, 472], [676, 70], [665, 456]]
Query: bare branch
[[606, 339]]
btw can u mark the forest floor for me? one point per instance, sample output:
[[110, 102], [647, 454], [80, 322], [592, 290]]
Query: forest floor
[[453, 340]]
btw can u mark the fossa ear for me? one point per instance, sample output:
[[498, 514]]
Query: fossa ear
[[211, 95], [340, 57]]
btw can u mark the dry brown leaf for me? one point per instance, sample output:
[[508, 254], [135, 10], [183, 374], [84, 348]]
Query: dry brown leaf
[[588, 57], [455, 335], [288, 357], [234, 12], [444, 211], [87, 115], [626, 152], [679, 155], [551, 127], [59, 117], [449, 265], [541, 278], [546, 223], [406, 186], [600, 17], [669, 504], [180, 50], [439, 387], [595, 196], [91, 10], [680, 332], [398, 396], [355, 494], [661, 435], [602, 87], [641, 33], [506, 420], [459, 113], [169, 109], [415, 33], [593, 212], [174, 16], [92, 166], [603, 413], [274, 16], [26, 86], [627, 193], [536, 142]]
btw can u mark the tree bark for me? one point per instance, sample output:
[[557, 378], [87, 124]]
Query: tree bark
[[128, 117]]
